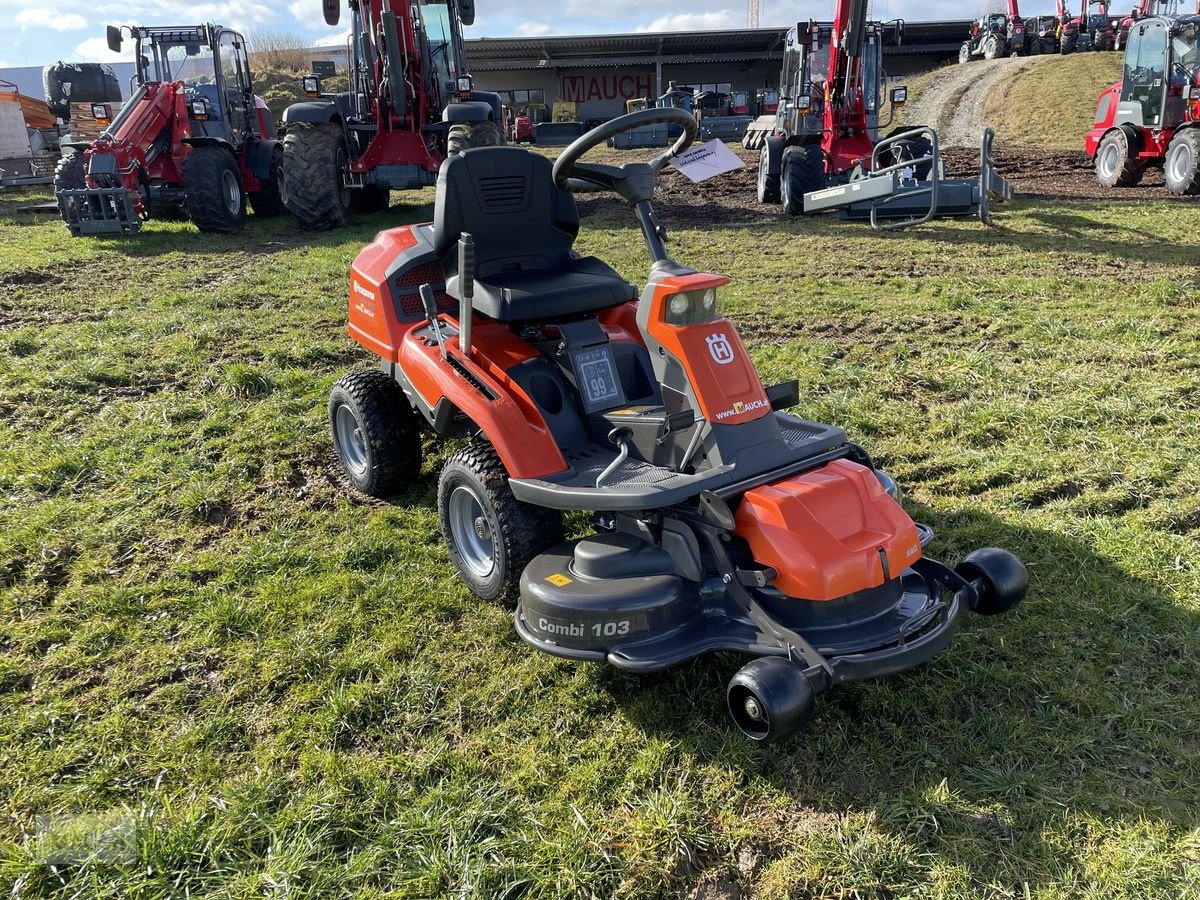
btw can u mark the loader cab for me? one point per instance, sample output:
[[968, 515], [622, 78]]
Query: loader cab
[[1144, 78], [803, 90]]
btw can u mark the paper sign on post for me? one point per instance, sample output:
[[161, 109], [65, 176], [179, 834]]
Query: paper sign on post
[[709, 159]]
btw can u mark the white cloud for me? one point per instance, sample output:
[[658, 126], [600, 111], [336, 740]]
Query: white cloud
[[95, 49], [533, 29], [49, 18], [705, 21]]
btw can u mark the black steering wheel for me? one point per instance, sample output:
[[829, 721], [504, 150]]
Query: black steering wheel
[[633, 181]]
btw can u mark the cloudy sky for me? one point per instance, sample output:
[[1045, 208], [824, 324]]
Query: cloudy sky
[[37, 32]]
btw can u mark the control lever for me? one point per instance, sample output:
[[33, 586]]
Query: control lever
[[619, 436], [466, 290], [431, 313]]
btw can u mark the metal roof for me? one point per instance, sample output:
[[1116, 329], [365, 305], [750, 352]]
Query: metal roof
[[747, 44]]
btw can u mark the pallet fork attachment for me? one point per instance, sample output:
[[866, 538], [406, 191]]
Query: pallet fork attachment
[[99, 211], [891, 198]]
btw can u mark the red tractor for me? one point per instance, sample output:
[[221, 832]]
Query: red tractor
[[410, 105], [192, 142], [1152, 116], [766, 101]]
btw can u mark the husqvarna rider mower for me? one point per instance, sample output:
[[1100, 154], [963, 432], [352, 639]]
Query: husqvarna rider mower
[[722, 522]]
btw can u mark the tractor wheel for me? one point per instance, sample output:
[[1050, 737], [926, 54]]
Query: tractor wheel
[[370, 199], [212, 184], [376, 433], [803, 171], [1116, 166], [314, 158], [69, 173], [272, 199], [467, 136], [964, 52], [490, 534], [1181, 168], [991, 47], [768, 184], [1069, 43]]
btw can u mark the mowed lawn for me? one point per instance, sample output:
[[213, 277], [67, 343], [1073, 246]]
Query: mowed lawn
[[222, 673]]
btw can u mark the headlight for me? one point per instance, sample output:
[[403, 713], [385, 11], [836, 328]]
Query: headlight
[[464, 84], [693, 307]]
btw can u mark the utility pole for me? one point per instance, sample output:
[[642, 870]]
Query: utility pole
[[752, 13]]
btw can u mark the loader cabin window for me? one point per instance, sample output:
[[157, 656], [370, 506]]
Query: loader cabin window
[[1144, 77], [234, 73], [440, 29], [804, 70], [187, 62]]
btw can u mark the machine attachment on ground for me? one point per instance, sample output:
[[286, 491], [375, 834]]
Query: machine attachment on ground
[[721, 520]]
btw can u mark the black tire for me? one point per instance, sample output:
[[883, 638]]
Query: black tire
[[272, 199], [314, 157], [1001, 579], [468, 135], [770, 699], [376, 433], [370, 199], [212, 184], [991, 47], [964, 53], [803, 170], [490, 534], [1116, 166], [1069, 43], [768, 184], [1181, 166], [69, 173]]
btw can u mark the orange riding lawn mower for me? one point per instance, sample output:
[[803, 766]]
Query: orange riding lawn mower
[[721, 521]]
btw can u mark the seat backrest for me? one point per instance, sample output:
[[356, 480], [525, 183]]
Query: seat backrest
[[506, 199]]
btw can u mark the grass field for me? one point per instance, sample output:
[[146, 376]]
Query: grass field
[[222, 673]]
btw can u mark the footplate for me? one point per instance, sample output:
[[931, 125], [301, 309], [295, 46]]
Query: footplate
[[91, 211]]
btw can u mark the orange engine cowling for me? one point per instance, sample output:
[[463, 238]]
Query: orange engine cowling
[[829, 532]]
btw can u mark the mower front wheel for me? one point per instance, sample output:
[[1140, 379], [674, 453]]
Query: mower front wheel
[[770, 699], [212, 184], [999, 577], [376, 433], [490, 534]]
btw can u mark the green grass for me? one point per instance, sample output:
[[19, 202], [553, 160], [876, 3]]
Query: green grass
[[1052, 104], [222, 673]]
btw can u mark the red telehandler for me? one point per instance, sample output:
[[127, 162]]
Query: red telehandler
[[1152, 116], [192, 142], [996, 34], [410, 105]]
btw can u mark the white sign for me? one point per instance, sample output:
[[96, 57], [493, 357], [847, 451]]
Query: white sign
[[709, 159]]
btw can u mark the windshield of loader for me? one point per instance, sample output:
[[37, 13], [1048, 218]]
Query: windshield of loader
[[189, 63], [440, 32]]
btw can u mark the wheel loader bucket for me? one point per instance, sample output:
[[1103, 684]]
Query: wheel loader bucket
[[890, 198], [91, 211]]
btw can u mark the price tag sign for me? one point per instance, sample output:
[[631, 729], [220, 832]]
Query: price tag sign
[[706, 161]]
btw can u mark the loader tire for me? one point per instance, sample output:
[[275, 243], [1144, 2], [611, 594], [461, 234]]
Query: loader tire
[[1181, 167], [1116, 166], [69, 173], [1069, 43], [468, 135], [964, 53], [803, 170], [212, 184], [991, 47], [272, 199], [314, 157], [768, 184]]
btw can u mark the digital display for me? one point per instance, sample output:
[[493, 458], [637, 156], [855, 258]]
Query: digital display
[[594, 369]]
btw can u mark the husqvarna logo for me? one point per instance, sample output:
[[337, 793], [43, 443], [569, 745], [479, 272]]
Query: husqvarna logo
[[719, 348]]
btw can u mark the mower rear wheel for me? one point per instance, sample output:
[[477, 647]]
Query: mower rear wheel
[[770, 699], [212, 184], [768, 184], [314, 160], [803, 170], [1181, 168], [490, 534], [467, 135], [1000, 579], [272, 199], [1116, 166], [376, 433]]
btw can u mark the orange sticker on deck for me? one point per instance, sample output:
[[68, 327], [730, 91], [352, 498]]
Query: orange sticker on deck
[[558, 579]]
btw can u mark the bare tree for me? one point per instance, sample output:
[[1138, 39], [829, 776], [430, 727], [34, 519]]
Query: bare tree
[[279, 50]]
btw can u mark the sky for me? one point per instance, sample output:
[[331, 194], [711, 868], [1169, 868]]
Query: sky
[[38, 32]]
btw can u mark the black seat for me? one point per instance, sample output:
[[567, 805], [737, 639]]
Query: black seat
[[523, 226]]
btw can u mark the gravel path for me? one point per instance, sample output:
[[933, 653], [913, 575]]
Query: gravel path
[[953, 105]]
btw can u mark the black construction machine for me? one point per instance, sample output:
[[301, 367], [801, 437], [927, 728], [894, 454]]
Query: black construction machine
[[722, 522]]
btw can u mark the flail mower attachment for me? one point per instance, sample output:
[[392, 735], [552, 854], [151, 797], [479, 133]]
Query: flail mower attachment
[[891, 197], [89, 211]]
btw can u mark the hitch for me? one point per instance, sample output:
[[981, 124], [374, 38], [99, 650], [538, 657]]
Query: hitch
[[89, 211]]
